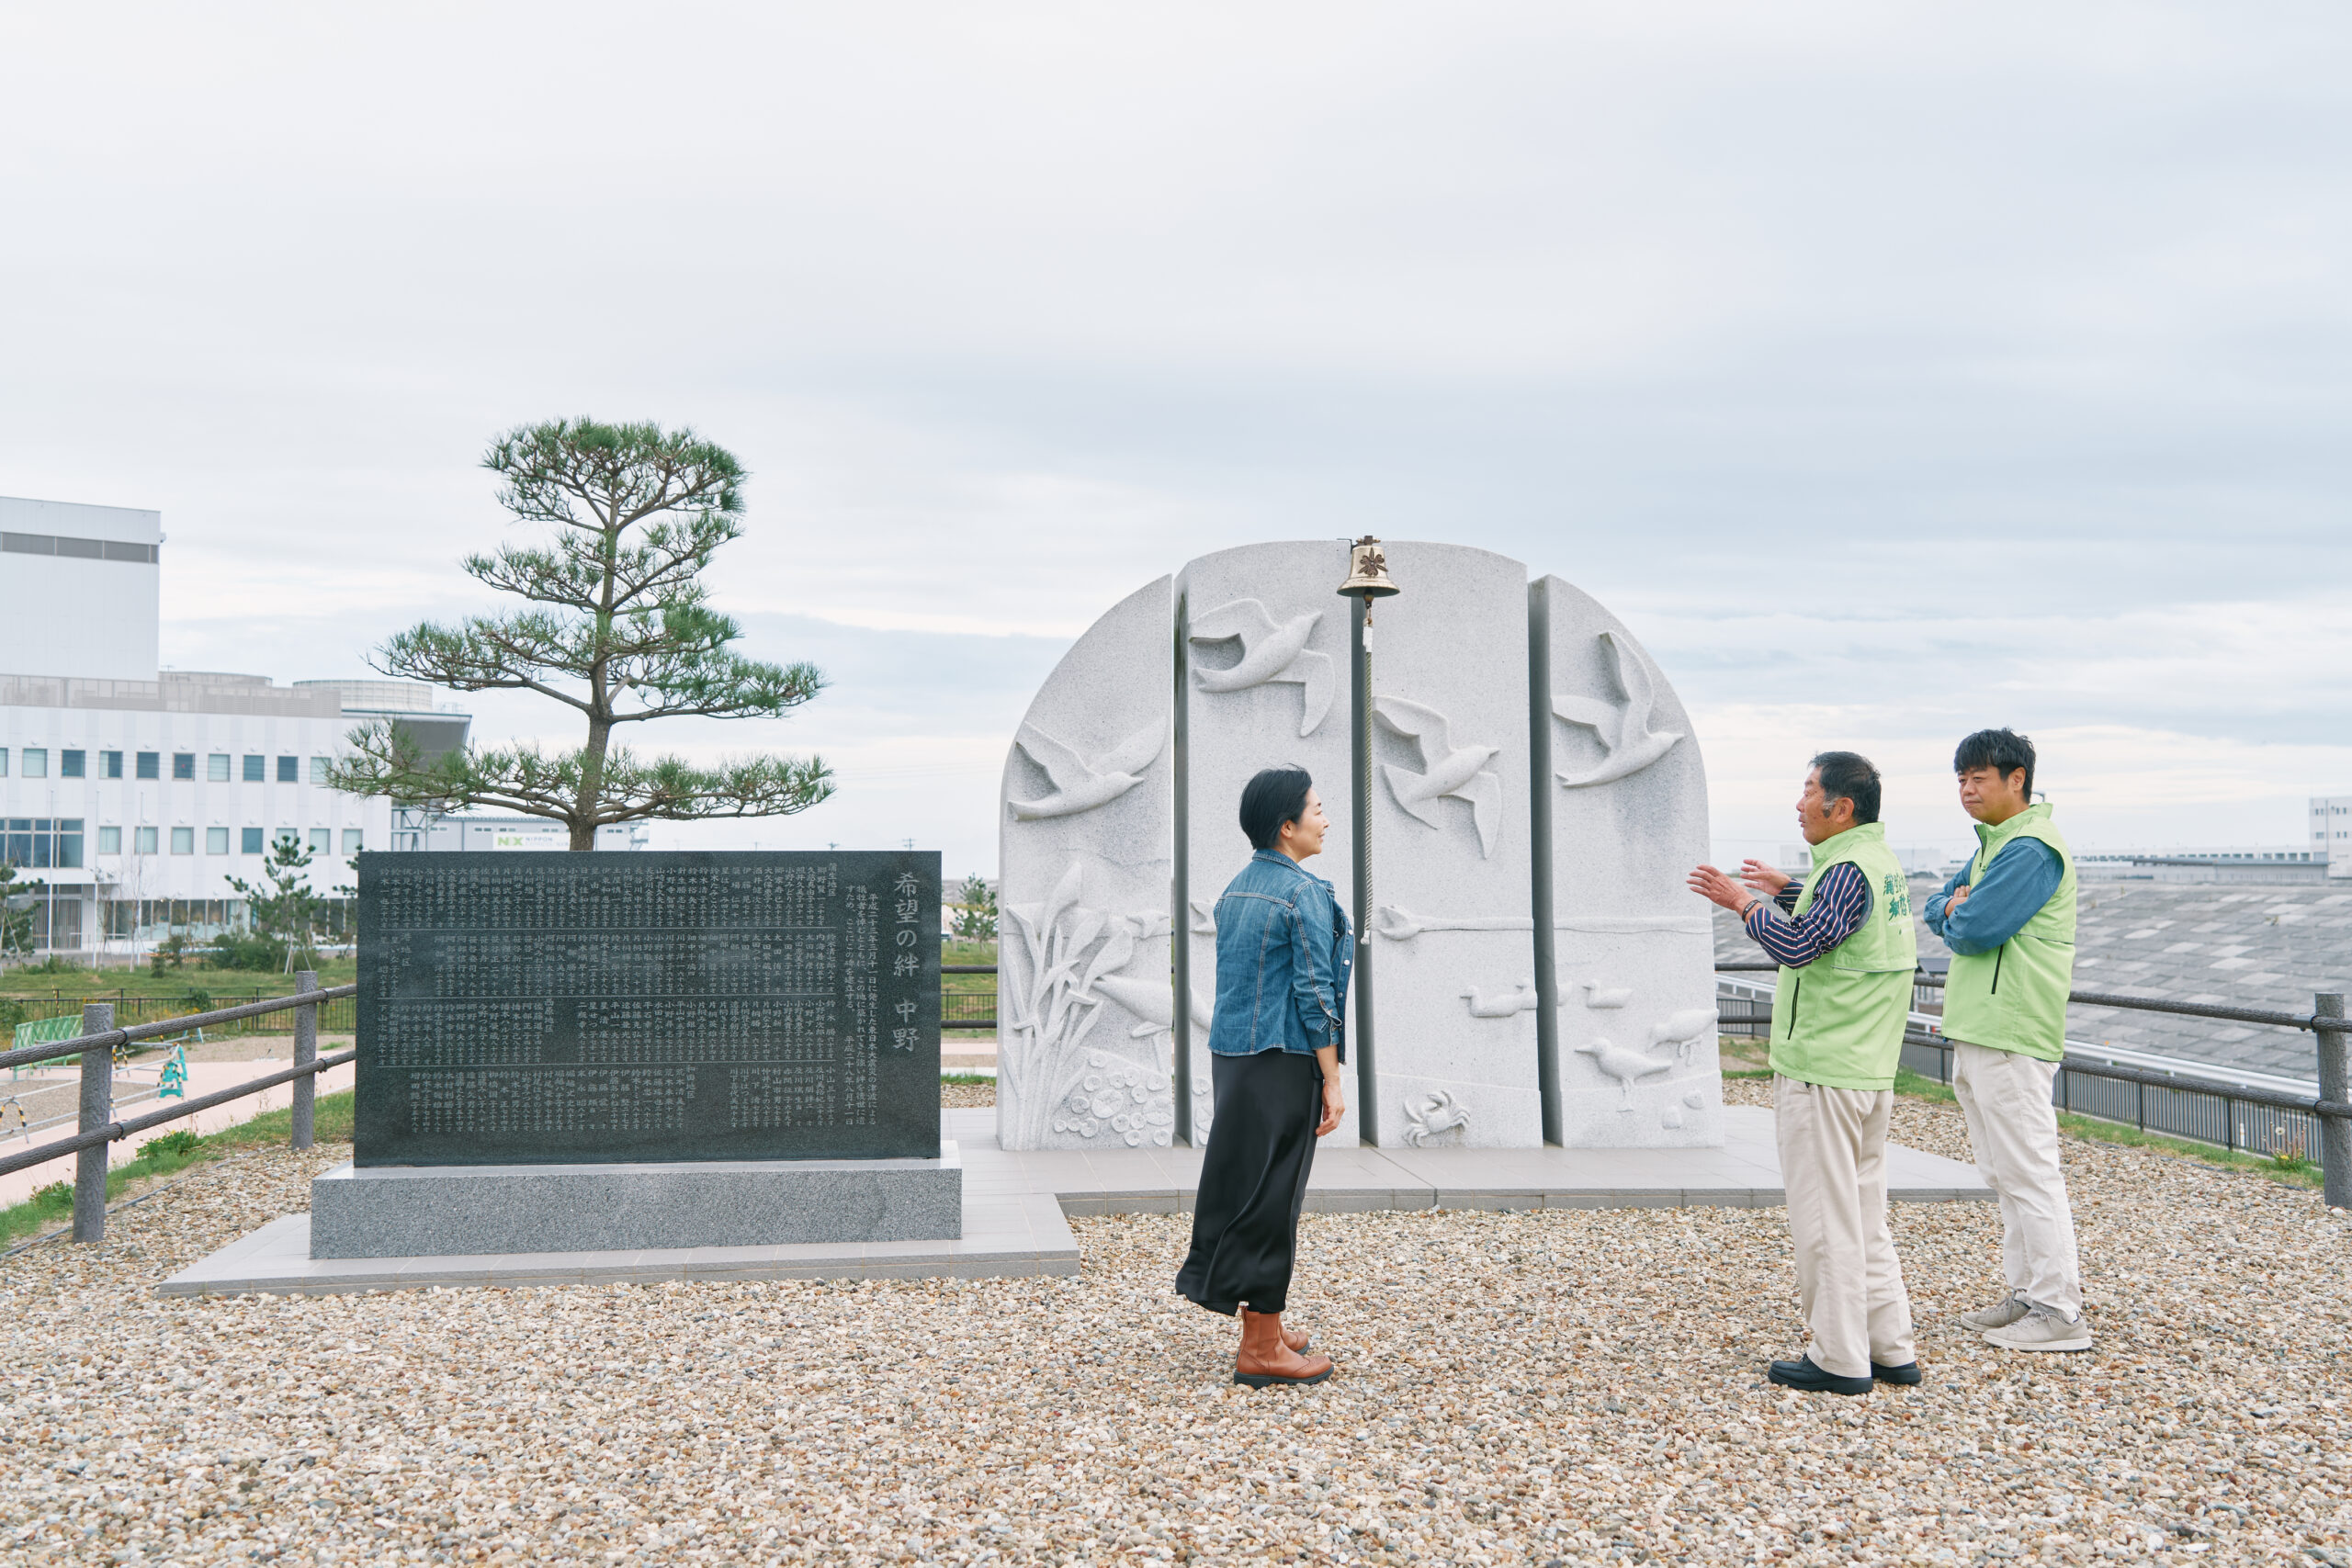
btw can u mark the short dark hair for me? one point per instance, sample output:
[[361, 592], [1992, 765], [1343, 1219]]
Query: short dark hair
[[1275, 796], [1847, 775], [2004, 749]]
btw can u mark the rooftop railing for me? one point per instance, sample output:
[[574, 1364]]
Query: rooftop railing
[[2200, 1101]]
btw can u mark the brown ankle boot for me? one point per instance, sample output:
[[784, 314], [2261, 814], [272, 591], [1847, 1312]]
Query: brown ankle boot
[[1265, 1359], [1298, 1340]]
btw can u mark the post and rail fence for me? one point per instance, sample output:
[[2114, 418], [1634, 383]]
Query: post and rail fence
[[96, 1046], [2187, 1092]]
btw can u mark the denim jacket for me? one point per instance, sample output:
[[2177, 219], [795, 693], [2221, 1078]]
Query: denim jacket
[[1284, 952]]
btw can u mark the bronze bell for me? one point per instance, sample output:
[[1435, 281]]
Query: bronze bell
[[1367, 572]]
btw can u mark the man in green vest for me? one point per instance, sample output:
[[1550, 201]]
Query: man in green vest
[[2008, 917], [1847, 952]]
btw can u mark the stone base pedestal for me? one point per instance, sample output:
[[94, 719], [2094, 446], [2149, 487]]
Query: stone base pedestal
[[460, 1210]]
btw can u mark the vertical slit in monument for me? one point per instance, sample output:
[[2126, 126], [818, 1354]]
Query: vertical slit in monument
[[1180, 946], [1359, 792], [1539, 799]]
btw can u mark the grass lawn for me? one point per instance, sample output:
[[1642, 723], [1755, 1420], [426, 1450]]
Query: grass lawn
[[70, 983]]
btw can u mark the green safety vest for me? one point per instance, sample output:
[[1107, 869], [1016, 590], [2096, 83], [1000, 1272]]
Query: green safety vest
[[2014, 998], [1838, 1021]]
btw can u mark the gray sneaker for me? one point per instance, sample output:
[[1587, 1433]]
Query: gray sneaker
[[2000, 1315], [2043, 1328]]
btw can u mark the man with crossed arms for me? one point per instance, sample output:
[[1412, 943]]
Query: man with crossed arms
[[2008, 917]]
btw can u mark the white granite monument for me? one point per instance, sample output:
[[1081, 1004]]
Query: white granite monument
[[1527, 757]]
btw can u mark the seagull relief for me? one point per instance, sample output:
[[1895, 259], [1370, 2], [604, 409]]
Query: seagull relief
[[1628, 744], [1447, 770], [1081, 783], [1270, 654]]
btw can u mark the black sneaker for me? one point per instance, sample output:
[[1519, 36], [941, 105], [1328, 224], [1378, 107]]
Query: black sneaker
[[1803, 1375], [1905, 1376]]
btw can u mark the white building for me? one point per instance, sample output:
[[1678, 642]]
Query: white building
[[134, 794], [2331, 833]]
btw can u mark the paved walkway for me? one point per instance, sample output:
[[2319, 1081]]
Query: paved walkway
[[1015, 1207], [135, 1096]]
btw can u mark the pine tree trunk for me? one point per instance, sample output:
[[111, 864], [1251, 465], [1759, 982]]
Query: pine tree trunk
[[591, 784]]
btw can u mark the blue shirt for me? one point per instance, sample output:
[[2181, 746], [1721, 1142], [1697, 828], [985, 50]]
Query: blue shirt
[[1284, 953], [2017, 885]]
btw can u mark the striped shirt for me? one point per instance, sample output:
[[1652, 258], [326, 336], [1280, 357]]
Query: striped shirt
[[1837, 912]]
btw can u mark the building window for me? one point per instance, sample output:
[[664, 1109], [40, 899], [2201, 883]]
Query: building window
[[249, 841], [290, 837], [322, 840], [182, 764], [110, 840], [109, 765], [150, 765], [353, 839], [71, 765], [143, 840], [4, 761], [318, 770], [254, 769], [183, 841], [215, 767], [216, 840], [289, 770], [36, 761], [69, 842]]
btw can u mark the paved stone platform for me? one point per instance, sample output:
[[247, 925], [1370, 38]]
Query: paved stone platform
[[1014, 1206]]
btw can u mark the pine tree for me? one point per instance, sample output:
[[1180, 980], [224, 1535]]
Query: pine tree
[[616, 625]]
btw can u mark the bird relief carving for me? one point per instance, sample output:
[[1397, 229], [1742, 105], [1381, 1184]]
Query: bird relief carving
[[1625, 1066], [1448, 771], [1683, 1029], [1628, 744], [1509, 1004], [1270, 653], [1080, 784]]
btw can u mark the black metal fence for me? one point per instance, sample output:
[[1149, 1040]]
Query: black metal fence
[[2183, 1100], [962, 1003], [338, 1017]]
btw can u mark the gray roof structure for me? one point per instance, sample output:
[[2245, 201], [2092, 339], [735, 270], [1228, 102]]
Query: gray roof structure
[[2226, 944]]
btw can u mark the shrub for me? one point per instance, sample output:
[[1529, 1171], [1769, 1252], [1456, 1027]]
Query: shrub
[[244, 950], [178, 1141]]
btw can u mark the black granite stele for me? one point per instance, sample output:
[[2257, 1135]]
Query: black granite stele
[[537, 1009]]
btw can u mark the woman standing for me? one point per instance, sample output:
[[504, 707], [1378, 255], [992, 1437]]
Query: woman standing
[[1276, 1042]]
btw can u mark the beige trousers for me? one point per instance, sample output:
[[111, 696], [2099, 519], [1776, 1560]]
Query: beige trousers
[[1850, 1283], [2013, 1132]]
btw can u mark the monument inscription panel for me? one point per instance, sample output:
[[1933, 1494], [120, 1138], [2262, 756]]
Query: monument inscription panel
[[533, 1009]]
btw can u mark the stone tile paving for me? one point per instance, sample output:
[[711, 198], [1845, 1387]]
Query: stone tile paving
[[1569, 1387], [2252, 947]]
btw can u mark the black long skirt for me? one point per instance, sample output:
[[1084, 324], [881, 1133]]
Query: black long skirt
[[1253, 1181]]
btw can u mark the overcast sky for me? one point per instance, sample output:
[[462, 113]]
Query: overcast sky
[[1891, 369]]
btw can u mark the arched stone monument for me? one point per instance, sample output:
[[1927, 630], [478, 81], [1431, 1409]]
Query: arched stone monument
[[1531, 766]]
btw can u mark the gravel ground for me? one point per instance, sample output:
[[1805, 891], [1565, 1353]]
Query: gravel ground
[[1551, 1387]]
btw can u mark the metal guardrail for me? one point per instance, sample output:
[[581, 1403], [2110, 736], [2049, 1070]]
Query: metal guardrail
[[967, 1009], [334, 1017], [96, 1046], [2196, 1101]]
